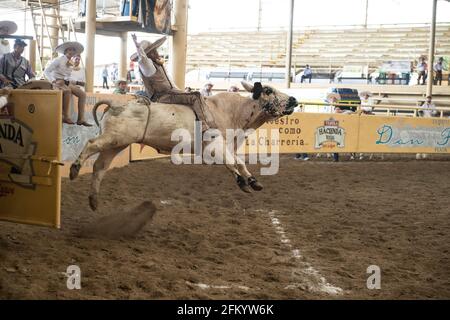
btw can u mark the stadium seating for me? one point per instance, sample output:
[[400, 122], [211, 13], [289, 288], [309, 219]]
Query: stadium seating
[[322, 49]]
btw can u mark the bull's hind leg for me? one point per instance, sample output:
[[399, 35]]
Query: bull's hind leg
[[101, 165], [92, 147]]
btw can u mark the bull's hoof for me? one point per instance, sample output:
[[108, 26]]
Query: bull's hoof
[[242, 183], [74, 170], [93, 203], [255, 184]]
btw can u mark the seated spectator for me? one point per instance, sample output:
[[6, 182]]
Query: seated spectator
[[366, 102], [78, 74], [332, 99], [307, 74], [428, 111], [428, 108], [121, 87], [14, 67], [233, 89], [207, 89]]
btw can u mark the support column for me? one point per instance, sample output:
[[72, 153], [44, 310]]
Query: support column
[[32, 55], [53, 29], [431, 51], [179, 46], [289, 45], [123, 62], [367, 14], [90, 44]]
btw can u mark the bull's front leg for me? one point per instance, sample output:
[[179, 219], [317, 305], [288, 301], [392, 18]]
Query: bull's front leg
[[241, 176], [243, 171]]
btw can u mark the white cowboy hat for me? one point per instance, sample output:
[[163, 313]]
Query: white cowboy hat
[[70, 44], [332, 95], [117, 82], [7, 27], [148, 47], [365, 93]]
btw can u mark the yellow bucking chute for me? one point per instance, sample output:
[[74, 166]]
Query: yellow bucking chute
[[30, 158]]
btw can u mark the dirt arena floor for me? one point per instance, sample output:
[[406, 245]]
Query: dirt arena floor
[[310, 234]]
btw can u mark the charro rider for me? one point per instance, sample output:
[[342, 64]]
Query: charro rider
[[158, 85]]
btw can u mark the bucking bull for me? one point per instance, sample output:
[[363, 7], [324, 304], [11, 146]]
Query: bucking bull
[[153, 125]]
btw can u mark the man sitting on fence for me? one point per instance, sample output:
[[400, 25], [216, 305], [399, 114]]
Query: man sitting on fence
[[59, 72]]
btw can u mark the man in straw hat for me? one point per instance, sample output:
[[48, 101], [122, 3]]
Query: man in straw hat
[[158, 85], [59, 71], [366, 102], [14, 67], [121, 87]]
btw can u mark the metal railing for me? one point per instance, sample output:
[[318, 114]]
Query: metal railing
[[390, 108]]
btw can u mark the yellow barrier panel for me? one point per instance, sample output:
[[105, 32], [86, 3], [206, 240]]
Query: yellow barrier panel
[[404, 135], [142, 152], [30, 154], [317, 133]]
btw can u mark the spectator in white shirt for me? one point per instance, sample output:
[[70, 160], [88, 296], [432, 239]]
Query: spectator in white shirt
[[59, 72], [428, 111], [428, 108], [207, 89], [438, 67], [366, 102], [422, 68]]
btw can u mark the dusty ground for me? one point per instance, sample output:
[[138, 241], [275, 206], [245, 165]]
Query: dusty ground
[[341, 217]]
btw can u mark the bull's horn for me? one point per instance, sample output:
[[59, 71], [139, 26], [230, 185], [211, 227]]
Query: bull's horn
[[247, 86]]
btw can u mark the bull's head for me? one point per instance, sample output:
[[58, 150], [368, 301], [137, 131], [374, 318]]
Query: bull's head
[[273, 102]]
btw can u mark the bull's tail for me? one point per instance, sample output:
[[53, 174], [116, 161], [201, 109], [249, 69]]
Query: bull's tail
[[94, 111]]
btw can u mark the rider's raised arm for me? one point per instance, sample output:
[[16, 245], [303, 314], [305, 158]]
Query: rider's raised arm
[[145, 64]]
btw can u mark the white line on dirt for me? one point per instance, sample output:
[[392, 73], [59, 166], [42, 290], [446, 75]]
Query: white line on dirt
[[210, 286], [306, 275]]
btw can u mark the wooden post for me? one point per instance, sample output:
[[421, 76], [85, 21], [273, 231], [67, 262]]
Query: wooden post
[[431, 51], [179, 46], [123, 62], [32, 55], [367, 13], [289, 45], [90, 44]]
